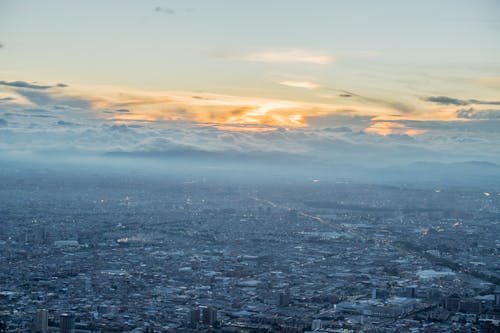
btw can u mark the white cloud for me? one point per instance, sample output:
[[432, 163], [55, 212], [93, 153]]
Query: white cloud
[[289, 56], [300, 84]]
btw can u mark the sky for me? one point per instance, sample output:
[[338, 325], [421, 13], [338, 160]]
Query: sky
[[365, 81]]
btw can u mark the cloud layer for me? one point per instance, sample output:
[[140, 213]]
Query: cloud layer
[[455, 101], [43, 117]]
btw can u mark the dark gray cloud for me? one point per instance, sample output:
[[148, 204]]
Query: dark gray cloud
[[118, 111], [120, 129], [27, 85], [7, 99], [23, 84], [400, 137], [478, 115], [65, 123], [475, 101], [445, 100], [458, 129], [165, 10], [42, 116], [3, 122], [340, 129]]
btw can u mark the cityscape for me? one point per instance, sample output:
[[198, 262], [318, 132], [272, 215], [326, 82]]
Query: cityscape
[[107, 254], [222, 166]]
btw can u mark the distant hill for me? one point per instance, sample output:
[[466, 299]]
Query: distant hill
[[466, 173]]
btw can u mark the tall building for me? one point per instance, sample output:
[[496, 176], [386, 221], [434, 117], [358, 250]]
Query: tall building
[[316, 325], [411, 291], [209, 316], [41, 322], [284, 299], [452, 303], [471, 306], [193, 317], [88, 284], [67, 323]]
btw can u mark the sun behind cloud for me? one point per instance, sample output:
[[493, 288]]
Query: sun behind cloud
[[240, 113]]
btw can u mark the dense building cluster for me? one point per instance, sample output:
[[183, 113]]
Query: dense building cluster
[[113, 254]]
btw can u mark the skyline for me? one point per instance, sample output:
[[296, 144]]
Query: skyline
[[284, 76]]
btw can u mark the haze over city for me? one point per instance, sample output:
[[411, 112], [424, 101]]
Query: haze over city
[[345, 82]]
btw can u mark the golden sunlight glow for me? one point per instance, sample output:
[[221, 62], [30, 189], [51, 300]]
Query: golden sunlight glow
[[203, 108], [385, 128], [242, 113]]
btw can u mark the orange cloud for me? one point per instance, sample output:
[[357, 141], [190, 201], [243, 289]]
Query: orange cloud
[[203, 108], [385, 128], [232, 112], [414, 132]]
